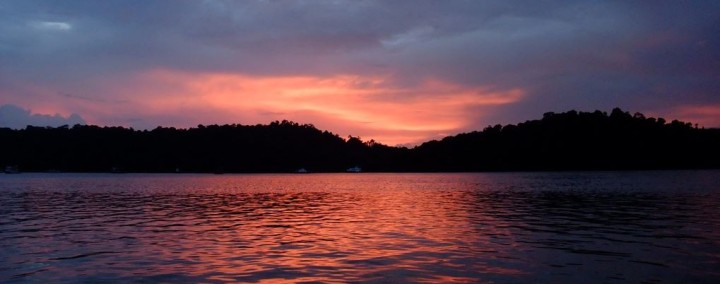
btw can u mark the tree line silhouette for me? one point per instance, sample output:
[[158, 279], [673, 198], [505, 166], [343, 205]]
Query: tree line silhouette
[[559, 141]]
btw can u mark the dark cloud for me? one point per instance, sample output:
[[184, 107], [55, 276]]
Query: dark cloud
[[258, 36], [13, 116]]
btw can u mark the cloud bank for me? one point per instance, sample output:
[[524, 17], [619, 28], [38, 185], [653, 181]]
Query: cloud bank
[[15, 117]]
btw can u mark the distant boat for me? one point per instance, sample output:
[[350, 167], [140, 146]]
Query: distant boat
[[301, 171], [354, 169], [11, 170]]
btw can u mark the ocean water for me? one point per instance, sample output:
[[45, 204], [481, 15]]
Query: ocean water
[[577, 227]]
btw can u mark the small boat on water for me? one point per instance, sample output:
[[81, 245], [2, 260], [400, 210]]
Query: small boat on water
[[354, 169], [301, 171], [11, 170]]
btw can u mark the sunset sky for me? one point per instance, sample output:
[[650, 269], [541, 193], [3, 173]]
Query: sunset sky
[[399, 72]]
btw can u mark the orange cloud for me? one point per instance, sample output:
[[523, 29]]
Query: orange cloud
[[371, 107]]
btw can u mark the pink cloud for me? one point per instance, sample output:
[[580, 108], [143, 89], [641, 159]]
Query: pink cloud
[[374, 107], [346, 104], [703, 115]]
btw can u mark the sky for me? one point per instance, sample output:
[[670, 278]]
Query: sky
[[398, 72]]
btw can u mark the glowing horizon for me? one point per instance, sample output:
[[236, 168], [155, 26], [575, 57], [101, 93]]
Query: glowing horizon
[[344, 104]]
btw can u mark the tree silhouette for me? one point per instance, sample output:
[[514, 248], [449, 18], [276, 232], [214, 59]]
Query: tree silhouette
[[559, 141]]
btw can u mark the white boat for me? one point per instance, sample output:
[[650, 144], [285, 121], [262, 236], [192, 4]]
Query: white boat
[[301, 171], [354, 169], [11, 170]]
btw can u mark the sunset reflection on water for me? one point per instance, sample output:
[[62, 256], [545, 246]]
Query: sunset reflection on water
[[357, 228], [401, 234]]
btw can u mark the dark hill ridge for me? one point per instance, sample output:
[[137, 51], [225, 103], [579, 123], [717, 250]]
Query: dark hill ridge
[[564, 141], [577, 141]]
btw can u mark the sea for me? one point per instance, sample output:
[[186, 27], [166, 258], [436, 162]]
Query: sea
[[521, 227]]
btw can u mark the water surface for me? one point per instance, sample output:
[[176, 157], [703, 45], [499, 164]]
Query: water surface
[[584, 227]]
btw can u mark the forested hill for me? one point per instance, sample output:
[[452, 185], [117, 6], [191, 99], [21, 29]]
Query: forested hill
[[278, 147], [564, 141], [576, 141]]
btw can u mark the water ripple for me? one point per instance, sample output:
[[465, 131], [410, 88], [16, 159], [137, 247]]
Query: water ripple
[[521, 227]]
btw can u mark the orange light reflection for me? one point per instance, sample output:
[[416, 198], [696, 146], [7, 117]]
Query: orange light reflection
[[360, 233]]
